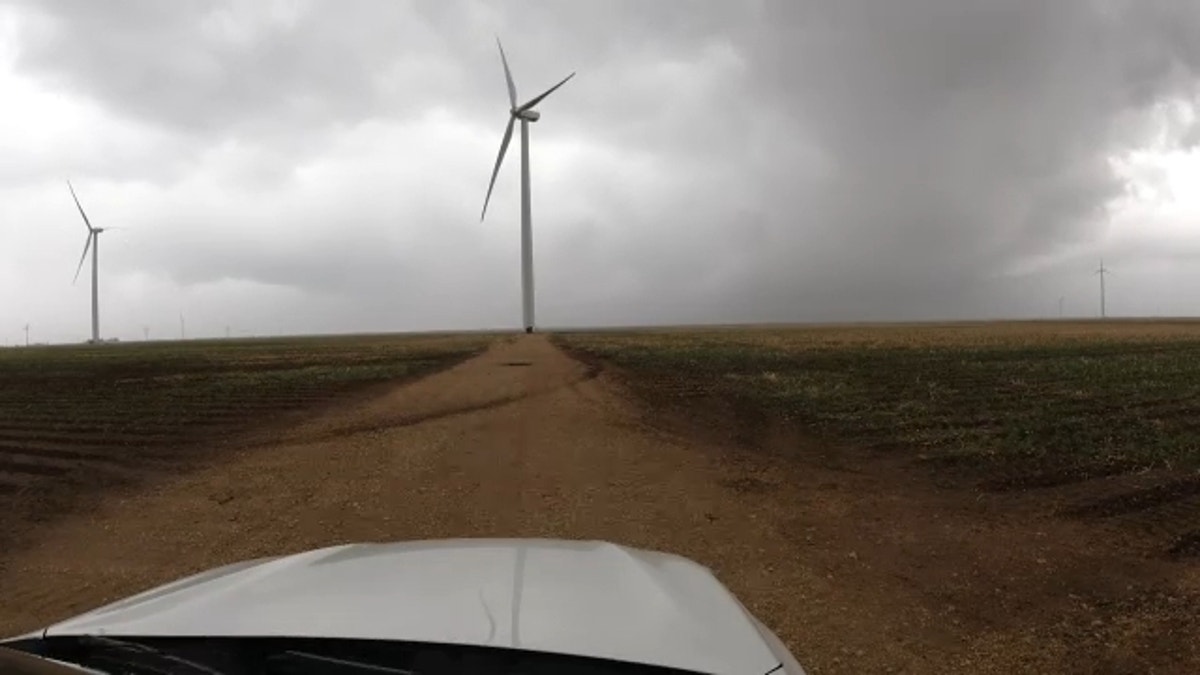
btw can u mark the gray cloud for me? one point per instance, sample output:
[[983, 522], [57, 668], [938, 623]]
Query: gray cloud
[[229, 68]]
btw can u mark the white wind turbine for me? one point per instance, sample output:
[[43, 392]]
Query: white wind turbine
[[526, 114], [1102, 272], [93, 241]]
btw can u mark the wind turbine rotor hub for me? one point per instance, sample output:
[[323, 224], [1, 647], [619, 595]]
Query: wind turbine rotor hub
[[527, 115]]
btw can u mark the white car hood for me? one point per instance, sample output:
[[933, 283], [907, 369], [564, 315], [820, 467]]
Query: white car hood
[[572, 597]]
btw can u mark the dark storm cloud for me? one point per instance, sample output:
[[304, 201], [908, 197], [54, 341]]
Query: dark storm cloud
[[211, 66], [225, 68], [960, 137], [712, 161]]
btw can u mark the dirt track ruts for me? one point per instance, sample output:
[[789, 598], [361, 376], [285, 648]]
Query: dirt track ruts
[[855, 572]]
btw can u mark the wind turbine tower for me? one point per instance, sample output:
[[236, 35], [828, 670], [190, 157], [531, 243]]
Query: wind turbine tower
[[26, 335], [1102, 271], [93, 242], [526, 114]]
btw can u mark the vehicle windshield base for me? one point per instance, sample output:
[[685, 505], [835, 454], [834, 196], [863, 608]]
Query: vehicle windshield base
[[309, 656]]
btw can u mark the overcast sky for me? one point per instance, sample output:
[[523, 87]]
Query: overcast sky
[[292, 166]]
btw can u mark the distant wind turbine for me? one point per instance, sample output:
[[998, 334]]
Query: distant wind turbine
[[526, 114], [93, 241], [26, 335], [182, 332], [1102, 271]]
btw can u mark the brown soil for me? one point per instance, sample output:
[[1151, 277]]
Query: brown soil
[[860, 562]]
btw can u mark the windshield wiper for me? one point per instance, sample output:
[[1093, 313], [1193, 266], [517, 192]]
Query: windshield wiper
[[143, 658], [308, 662]]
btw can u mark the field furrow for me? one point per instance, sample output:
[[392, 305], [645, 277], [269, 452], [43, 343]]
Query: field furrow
[[15, 467], [21, 452], [68, 439]]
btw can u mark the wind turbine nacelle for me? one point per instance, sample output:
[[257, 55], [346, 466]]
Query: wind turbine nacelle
[[529, 115]]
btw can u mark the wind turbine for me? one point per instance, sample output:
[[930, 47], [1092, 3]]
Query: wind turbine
[[526, 114], [1102, 271], [93, 241]]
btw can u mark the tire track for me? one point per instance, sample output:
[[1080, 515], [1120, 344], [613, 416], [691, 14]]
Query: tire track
[[401, 421]]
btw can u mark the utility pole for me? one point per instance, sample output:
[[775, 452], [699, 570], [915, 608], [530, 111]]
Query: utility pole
[[1102, 271]]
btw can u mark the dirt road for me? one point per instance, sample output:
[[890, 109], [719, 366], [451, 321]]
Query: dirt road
[[859, 571]]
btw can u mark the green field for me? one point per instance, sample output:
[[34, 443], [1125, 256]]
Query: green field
[[1081, 397]]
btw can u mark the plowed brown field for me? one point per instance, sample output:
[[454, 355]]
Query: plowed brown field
[[860, 561]]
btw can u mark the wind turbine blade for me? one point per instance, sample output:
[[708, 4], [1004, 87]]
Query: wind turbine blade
[[83, 257], [549, 91], [512, 88], [86, 222], [499, 158]]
